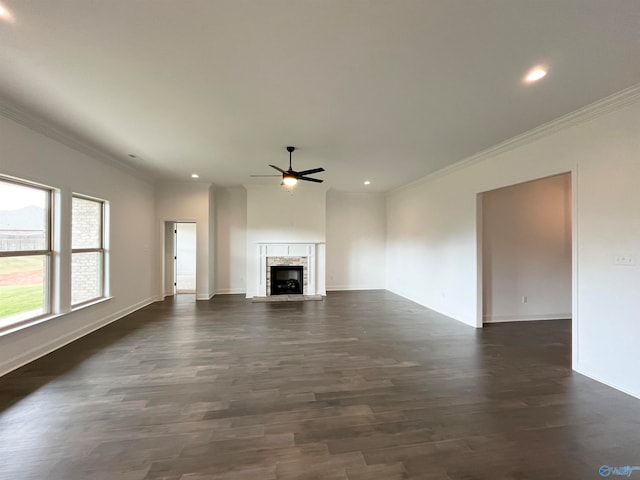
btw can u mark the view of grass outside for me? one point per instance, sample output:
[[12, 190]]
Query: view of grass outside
[[20, 299], [21, 284], [25, 249]]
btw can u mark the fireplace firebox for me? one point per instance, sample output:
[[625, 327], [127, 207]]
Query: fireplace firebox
[[286, 280]]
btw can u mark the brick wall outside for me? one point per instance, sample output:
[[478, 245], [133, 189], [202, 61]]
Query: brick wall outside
[[85, 276]]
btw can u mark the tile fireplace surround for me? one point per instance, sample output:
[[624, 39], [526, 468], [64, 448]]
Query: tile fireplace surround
[[310, 255]]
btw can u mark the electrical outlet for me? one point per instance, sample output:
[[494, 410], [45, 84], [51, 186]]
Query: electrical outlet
[[625, 259]]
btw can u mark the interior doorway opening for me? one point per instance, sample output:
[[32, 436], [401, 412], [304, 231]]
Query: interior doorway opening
[[526, 251], [185, 257]]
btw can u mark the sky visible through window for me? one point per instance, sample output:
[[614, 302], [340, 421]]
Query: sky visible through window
[[14, 197]]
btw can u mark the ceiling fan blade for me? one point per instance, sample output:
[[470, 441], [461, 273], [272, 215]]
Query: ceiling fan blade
[[265, 175], [309, 179], [309, 172], [277, 168]]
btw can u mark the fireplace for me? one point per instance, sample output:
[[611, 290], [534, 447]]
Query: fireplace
[[309, 256], [287, 280]]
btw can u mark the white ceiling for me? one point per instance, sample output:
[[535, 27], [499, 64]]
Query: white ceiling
[[369, 89]]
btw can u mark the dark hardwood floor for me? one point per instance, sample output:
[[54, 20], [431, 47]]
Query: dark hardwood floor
[[361, 386]]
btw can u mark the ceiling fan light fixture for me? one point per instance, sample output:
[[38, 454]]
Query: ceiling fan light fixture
[[289, 180], [290, 177]]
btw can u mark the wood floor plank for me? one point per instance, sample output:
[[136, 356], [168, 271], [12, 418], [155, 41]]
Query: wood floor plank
[[360, 386]]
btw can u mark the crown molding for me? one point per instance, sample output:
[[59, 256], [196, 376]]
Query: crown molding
[[38, 124], [616, 101]]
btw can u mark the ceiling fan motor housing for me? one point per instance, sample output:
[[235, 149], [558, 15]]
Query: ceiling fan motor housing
[[290, 177]]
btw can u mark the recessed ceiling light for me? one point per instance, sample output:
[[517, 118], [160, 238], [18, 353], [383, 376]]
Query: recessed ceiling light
[[195, 175], [5, 14], [367, 182], [535, 74]]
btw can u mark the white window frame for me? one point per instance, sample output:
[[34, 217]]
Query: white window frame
[[47, 253], [101, 249]]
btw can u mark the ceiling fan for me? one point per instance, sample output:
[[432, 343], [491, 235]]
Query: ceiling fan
[[290, 177]]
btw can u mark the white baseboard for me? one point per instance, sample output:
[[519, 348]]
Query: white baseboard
[[61, 341], [343, 288], [608, 384], [231, 291], [525, 318]]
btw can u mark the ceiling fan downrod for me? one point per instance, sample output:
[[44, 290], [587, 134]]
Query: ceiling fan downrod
[[290, 150]]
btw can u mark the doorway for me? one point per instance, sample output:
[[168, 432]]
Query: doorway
[[526, 251], [185, 257]]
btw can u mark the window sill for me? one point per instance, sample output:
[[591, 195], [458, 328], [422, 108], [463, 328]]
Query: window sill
[[32, 322], [90, 303]]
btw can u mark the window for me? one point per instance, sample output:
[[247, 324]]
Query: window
[[25, 251], [87, 250]]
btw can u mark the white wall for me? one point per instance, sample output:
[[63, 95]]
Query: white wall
[[212, 244], [277, 215], [356, 228], [168, 252], [32, 156], [431, 246], [526, 240], [431, 239], [354, 231], [187, 202], [231, 240]]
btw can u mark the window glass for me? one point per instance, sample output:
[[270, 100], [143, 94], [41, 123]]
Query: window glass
[[86, 223], [24, 252], [87, 253], [24, 217], [23, 288], [86, 276]]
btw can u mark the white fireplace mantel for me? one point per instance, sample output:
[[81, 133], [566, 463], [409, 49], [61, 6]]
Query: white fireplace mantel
[[313, 252]]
